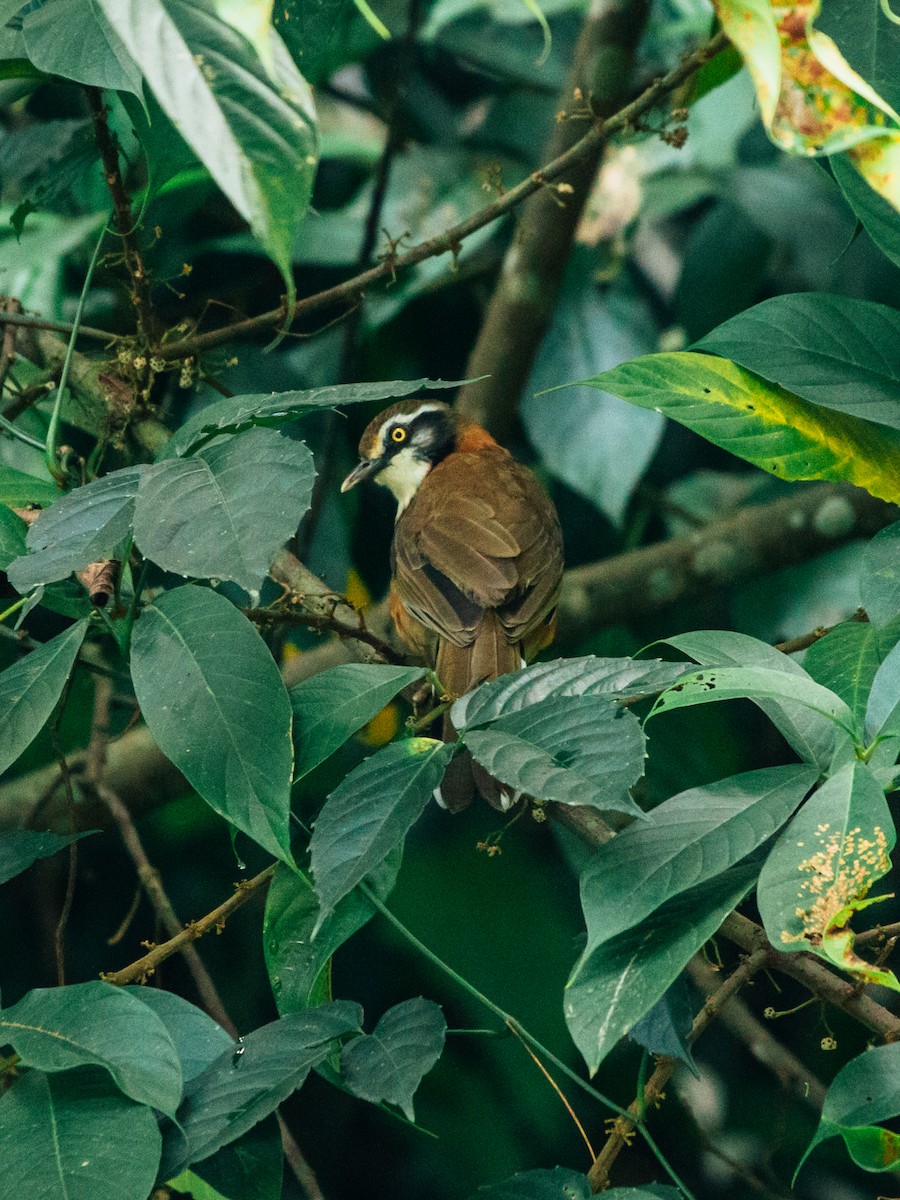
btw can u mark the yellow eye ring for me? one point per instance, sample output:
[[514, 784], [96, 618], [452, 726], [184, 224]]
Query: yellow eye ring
[[398, 435]]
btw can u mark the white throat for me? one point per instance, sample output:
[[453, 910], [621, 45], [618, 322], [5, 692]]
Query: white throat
[[403, 475]]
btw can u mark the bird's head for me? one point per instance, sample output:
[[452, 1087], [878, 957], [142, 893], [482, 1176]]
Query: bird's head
[[402, 444]]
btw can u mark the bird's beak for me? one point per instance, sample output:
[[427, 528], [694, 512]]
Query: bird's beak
[[362, 470]]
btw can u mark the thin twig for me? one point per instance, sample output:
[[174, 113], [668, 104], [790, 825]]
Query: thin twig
[[8, 351], [805, 640], [448, 241], [543, 1070], [27, 321]]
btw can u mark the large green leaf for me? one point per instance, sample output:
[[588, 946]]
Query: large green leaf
[[836, 351], [760, 422], [253, 128], [216, 705], [250, 1168], [389, 1063], [754, 683], [224, 513], [877, 215], [85, 526], [614, 678], [309, 28], [12, 536], [19, 848], [72, 38], [369, 814], [866, 1090], [868, 40], [243, 1085], [882, 714], [334, 704], [95, 1024], [237, 413], [19, 490], [822, 866], [296, 961], [104, 1146], [879, 584], [30, 690], [810, 733], [574, 750], [845, 662], [624, 977], [690, 838], [197, 1038]]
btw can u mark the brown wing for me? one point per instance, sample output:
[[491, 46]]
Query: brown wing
[[480, 534]]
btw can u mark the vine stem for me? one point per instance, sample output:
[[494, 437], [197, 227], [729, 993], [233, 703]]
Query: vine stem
[[53, 431], [522, 1033]]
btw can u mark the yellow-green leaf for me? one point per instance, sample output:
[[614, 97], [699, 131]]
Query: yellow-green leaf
[[750, 24], [759, 421]]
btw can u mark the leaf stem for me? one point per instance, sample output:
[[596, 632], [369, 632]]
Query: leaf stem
[[14, 431], [14, 608], [50, 449]]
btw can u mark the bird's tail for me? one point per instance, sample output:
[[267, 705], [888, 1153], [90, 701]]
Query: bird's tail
[[461, 668]]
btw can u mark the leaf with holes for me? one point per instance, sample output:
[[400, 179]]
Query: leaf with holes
[[106, 1146], [761, 422], [370, 813], [333, 705], [619, 981], [389, 1063], [822, 867], [836, 351], [84, 526], [30, 690], [225, 513], [216, 705], [84, 1024], [865, 1091]]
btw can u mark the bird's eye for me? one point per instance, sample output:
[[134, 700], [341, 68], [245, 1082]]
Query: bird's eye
[[398, 435]]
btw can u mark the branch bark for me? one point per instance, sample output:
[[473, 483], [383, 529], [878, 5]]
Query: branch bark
[[531, 275]]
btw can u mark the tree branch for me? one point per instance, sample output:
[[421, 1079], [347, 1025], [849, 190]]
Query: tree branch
[[448, 242], [531, 275]]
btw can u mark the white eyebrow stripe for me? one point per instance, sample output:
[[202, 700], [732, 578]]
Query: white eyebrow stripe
[[404, 419]]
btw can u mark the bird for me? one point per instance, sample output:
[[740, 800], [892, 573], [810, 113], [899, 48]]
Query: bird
[[476, 558]]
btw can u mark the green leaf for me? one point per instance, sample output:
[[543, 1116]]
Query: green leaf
[[574, 750], [12, 537], [19, 490], [879, 584], [237, 413], [19, 848], [295, 960], [225, 513], [876, 214], [216, 705], [868, 40], [754, 683], [95, 1024], [836, 351], [369, 814], [105, 1147], [689, 839], [309, 28], [253, 129], [333, 705], [30, 690], [389, 1063], [666, 1027], [613, 678], [619, 981], [866, 1090], [812, 735], [760, 422], [250, 1168], [245, 1084], [883, 708], [846, 662], [197, 1038], [822, 867], [560, 1183], [72, 38], [85, 526]]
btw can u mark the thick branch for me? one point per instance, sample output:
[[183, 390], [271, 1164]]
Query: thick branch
[[524, 299], [448, 242]]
